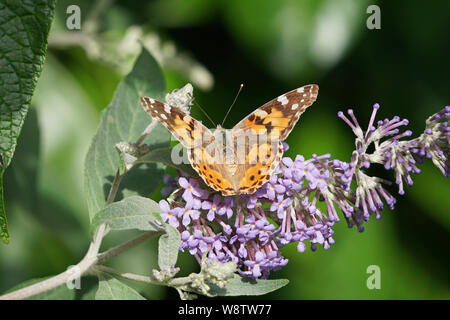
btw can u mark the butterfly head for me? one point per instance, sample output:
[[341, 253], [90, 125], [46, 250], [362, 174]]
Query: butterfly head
[[219, 132]]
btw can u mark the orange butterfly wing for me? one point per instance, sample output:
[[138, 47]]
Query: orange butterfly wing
[[198, 140], [190, 132], [271, 123], [282, 113]]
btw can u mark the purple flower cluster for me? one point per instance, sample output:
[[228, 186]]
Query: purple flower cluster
[[434, 142], [301, 201]]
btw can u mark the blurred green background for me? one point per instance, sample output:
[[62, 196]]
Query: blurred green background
[[271, 47]]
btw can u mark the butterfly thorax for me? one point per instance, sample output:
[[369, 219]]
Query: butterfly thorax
[[225, 148]]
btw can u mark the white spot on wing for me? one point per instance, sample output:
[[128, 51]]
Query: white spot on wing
[[166, 108], [294, 106], [283, 99], [260, 113], [300, 90], [152, 101], [163, 116]]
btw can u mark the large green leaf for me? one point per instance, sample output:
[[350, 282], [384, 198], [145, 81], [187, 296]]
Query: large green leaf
[[110, 288], [24, 27], [130, 213], [22, 174], [124, 120], [4, 233], [169, 246], [240, 286]]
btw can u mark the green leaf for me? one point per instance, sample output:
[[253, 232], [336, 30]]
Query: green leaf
[[241, 286], [59, 293], [21, 178], [89, 287], [125, 120], [164, 155], [169, 246], [4, 233], [24, 29], [110, 288], [130, 213]]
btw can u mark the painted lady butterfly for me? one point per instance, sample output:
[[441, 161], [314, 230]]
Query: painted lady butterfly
[[239, 160]]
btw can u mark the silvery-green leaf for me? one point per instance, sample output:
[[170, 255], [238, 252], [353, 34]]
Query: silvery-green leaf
[[242, 286], [169, 246], [125, 120], [134, 212], [109, 288]]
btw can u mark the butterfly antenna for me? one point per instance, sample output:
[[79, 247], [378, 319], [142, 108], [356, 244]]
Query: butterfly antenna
[[234, 101], [201, 109]]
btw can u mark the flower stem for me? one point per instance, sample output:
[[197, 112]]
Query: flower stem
[[176, 282], [127, 275], [89, 263], [114, 188], [82, 267], [147, 130], [111, 253]]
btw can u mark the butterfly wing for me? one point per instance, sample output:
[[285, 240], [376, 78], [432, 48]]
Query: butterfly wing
[[209, 163], [198, 140], [282, 113], [260, 164], [190, 132], [268, 126]]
